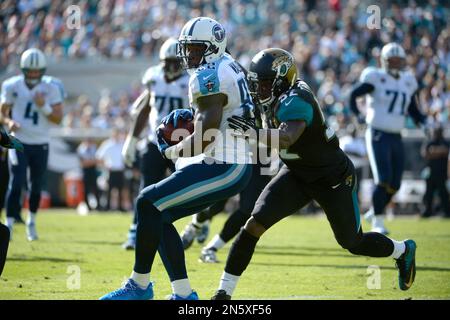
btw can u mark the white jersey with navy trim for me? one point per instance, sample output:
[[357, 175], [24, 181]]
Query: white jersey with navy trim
[[164, 96], [387, 105], [224, 76], [34, 126], [58, 83]]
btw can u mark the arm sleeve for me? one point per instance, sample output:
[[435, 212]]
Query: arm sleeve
[[360, 90], [414, 112], [295, 108]]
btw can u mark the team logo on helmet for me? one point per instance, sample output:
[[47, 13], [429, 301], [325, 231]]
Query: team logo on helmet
[[218, 32], [282, 65]]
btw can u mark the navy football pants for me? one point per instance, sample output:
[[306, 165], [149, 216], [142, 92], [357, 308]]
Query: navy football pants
[[185, 192], [35, 159], [386, 155]]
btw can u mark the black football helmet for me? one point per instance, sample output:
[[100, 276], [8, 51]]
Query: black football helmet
[[272, 72]]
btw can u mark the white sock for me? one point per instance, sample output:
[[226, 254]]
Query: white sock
[[10, 222], [181, 287], [369, 215], [399, 249], [196, 223], [378, 222], [228, 283], [142, 279], [216, 243], [31, 217]]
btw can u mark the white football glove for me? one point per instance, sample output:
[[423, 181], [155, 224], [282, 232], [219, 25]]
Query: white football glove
[[129, 150]]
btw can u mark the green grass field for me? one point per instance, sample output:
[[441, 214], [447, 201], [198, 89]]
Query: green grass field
[[296, 259]]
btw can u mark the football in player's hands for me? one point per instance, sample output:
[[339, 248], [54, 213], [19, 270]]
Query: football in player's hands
[[172, 135]]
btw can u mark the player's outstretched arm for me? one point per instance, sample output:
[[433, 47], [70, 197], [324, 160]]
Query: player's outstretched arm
[[5, 111], [288, 133]]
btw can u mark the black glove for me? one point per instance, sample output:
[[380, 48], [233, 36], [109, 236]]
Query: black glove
[[241, 124]]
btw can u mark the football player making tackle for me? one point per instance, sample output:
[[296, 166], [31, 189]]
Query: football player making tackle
[[199, 227], [217, 91], [315, 169]]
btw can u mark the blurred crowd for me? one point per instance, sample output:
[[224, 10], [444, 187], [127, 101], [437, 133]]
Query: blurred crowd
[[329, 38]]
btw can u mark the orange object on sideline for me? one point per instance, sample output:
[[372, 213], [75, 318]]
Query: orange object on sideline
[[74, 191]]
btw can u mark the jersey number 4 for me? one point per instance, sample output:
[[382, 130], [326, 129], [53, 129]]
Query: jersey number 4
[[394, 95], [33, 115]]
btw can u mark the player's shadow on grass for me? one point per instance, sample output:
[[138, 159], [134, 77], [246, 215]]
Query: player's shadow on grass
[[337, 249], [106, 243], [419, 268], [41, 259], [302, 251]]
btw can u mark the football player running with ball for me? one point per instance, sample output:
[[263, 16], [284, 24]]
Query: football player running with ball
[[217, 91], [315, 168]]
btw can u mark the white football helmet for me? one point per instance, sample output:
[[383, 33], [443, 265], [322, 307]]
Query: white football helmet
[[392, 50], [33, 65], [202, 31], [169, 59]]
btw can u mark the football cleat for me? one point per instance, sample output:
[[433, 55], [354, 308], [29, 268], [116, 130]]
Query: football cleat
[[192, 296], [130, 244], [221, 295], [31, 232], [406, 265], [188, 235], [130, 291], [208, 255], [202, 235]]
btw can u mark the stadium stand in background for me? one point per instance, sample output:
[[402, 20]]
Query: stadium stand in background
[[329, 38]]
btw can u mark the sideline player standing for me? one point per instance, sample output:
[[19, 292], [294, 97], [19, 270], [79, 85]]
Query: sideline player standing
[[28, 106], [315, 169], [390, 98], [166, 90], [217, 91]]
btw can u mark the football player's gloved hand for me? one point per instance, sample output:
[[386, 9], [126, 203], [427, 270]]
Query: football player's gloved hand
[[10, 142], [129, 150], [185, 114], [241, 124], [162, 143], [361, 119]]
